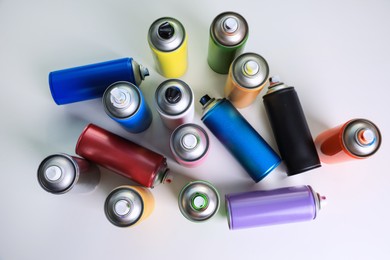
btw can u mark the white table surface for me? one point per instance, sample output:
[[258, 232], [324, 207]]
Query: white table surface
[[336, 54]]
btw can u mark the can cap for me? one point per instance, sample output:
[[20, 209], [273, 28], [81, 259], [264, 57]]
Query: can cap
[[140, 72], [361, 137], [366, 136], [199, 201], [189, 142], [121, 99], [166, 34], [250, 70], [53, 173], [203, 100], [166, 30], [58, 173], [173, 97], [123, 206], [229, 29]]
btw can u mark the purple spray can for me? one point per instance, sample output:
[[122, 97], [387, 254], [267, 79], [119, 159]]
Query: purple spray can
[[272, 207]]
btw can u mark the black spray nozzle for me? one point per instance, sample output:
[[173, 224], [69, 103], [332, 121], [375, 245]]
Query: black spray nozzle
[[166, 30], [173, 95], [204, 99]]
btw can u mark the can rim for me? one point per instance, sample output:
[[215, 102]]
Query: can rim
[[185, 86], [216, 19], [172, 19], [76, 177], [239, 83], [136, 193], [128, 85], [345, 145], [212, 188], [204, 153]]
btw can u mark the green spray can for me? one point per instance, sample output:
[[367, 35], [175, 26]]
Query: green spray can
[[228, 35]]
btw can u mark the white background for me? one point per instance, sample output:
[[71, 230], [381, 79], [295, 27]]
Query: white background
[[336, 54]]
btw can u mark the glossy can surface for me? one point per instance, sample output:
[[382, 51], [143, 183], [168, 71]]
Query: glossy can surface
[[167, 39], [174, 101], [189, 145], [61, 173], [239, 137], [356, 139], [228, 35], [90, 81], [128, 205], [125, 104], [199, 201], [248, 75], [272, 207], [290, 129], [122, 156]]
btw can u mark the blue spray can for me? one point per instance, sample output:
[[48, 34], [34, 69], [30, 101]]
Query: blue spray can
[[90, 81], [125, 104], [239, 137]]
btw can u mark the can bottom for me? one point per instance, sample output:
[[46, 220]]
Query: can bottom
[[270, 169], [301, 170]]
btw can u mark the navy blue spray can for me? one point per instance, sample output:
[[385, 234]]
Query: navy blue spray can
[[125, 104], [90, 81], [239, 137]]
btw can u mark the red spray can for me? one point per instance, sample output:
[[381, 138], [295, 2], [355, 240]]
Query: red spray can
[[122, 156]]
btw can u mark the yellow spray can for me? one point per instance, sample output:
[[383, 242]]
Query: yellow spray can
[[168, 41]]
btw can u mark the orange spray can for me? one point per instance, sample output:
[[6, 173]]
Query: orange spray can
[[248, 74], [128, 205], [356, 139]]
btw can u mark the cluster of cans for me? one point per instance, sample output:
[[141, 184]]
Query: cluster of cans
[[117, 83]]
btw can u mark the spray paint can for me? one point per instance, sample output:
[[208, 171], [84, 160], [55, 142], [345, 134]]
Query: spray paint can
[[128, 205], [122, 156], [228, 35], [248, 75], [356, 139], [290, 128], [174, 101], [90, 81], [167, 39], [189, 145], [61, 173], [199, 201], [239, 137], [125, 104], [272, 207]]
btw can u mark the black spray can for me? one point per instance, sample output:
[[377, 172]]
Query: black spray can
[[290, 128]]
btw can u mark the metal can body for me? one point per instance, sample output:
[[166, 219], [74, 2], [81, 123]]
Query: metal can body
[[90, 81], [168, 41], [122, 156], [199, 201], [239, 137], [174, 101], [125, 104], [248, 75], [356, 139], [289, 126], [128, 205], [228, 35], [61, 173], [272, 207], [189, 145]]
